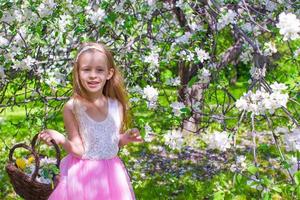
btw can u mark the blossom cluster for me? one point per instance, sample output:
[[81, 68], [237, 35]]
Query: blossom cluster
[[151, 94], [149, 134], [261, 101], [257, 73], [188, 55], [226, 19], [46, 8], [174, 139], [240, 165], [218, 140], [293, 162], [177, 106], [270, 48], [289, 26], [95, 16], [204, 75], [292, 140]]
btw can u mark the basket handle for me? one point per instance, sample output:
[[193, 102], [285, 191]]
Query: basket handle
[[36, 157], [57, 150]]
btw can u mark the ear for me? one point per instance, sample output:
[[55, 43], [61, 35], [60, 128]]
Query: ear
[[111, 72]]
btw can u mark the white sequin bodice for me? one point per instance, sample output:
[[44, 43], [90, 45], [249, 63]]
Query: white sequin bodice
[[100, 139]]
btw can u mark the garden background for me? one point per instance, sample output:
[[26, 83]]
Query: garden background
[[213, 84]]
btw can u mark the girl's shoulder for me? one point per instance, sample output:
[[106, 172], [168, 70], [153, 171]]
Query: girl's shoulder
[[116, 102], [69, 105], [72, 103]]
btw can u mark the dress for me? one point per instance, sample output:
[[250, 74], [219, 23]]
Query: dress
[[99, 174]]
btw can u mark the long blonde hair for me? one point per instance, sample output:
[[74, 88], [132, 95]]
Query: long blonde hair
[[114, 87]]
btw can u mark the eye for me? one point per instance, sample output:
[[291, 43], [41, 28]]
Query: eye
[[100, 70], [86, 69]]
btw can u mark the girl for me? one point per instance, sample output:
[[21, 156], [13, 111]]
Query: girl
[[95, 119]]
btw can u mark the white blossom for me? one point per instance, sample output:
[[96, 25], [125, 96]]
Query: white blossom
[[29, 15], [21, 35], [177, 106], [202, 55], [63, 22], [257, 73], [247, 27], [151, 94], [270, 49], [226, 19], [180, 4], [46, 8], [134, 99], [278, 87], [242, 104], [204, 75], [167, 5], [151, 2], [95, 16], [3, 41], [2, 73], [55, 77], [292, 140], [218, 140], [149, 134], [195, 27], [246, 55], [19, 16], [262, 101], [25, 64], [190, 56], [184, 38], [281, 130], [136, 89], [297, 53], [173, 81], [7, 17], [153, 59], [241, 163], [270, 5], [174, 139], [289, 26], [293, 161], [46, 161]]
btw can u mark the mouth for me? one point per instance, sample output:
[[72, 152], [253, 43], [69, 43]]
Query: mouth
[[93, 83]]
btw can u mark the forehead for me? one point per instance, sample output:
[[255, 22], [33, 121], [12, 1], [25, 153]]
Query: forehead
[[92, 58]]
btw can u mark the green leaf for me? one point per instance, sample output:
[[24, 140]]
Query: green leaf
[[239, 178], [285, 164], [277, 188], [240, 197], [219, 195], [297, 177], [193, 81], [252, 169], [266, 196]]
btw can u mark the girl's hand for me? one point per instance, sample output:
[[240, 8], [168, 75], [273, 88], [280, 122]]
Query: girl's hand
[[131, 135], [48, 134]]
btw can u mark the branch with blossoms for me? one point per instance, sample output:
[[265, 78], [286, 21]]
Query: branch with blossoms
[[179, 59]]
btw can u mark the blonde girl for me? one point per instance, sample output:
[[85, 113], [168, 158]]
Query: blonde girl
[[95, 119]]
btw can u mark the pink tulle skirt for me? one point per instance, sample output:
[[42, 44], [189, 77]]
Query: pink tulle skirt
[[84, 179]]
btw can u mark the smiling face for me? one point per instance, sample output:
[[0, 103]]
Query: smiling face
[[94, 71]]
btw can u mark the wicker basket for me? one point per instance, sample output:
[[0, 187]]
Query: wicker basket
[[25, 186]]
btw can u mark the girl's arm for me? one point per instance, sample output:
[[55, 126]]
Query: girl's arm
[[73, 143]]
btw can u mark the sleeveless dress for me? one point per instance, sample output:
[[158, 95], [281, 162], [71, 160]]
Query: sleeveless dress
[[99, 174]]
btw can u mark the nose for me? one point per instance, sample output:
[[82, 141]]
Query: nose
[[93, 74]]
